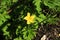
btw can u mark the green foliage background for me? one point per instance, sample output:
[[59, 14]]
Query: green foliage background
[[12, 12]]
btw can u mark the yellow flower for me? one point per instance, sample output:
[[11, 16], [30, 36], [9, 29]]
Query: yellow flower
[[59, 34], [30, 19]]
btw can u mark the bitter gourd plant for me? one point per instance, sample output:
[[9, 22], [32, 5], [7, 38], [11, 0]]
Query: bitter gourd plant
[[17, 16]]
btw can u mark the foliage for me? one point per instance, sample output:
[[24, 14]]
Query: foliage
[[12, 12], [54, 4]]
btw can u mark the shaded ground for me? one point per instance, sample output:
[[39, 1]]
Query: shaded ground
[[51, 31]]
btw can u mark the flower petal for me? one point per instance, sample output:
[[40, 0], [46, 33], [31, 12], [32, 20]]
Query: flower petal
[[33, 16], [25, 17], [28, 22], [28, 14]]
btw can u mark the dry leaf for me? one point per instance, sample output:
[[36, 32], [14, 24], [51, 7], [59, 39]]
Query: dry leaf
[[44, 37]]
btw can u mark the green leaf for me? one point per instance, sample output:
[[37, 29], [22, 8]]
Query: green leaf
[[5, 31], [54, 4], [15, 0], [18, 38], [52, 20], [37, 4], [41, 17], [1, 22]]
